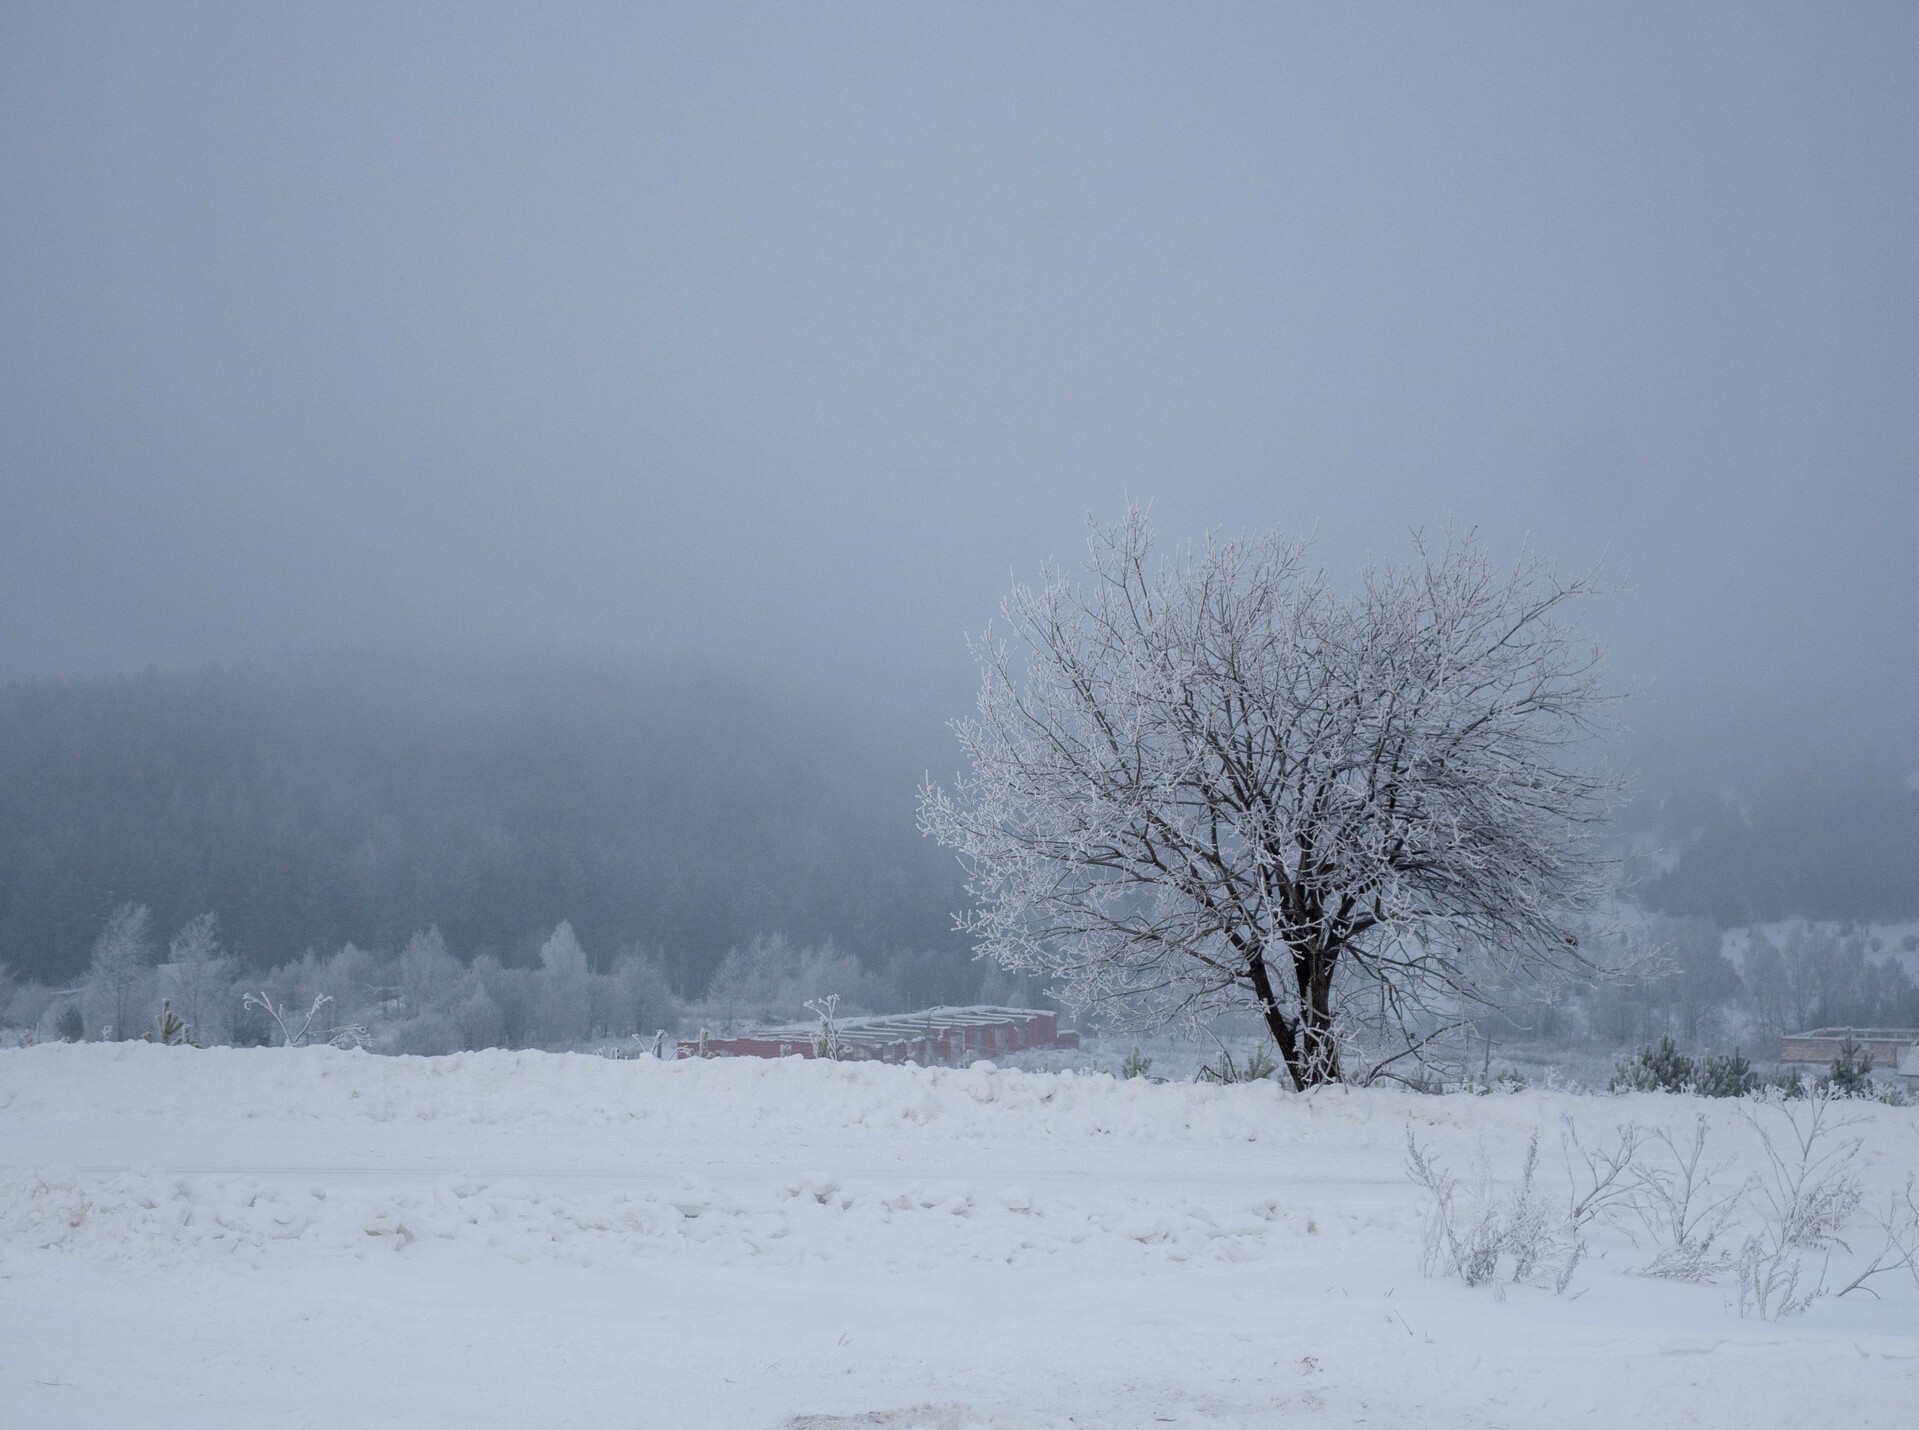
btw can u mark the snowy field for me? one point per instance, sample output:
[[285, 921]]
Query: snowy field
[[311, 1237]]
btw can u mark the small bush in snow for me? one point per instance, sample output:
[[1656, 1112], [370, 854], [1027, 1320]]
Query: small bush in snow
[[1790, 1085], [1851, 1071], [1660, 1068], [826, 1038], [1477, 1235], [1807, 1192], [294, 1030], [168, 1028], [1258, 1066], [1727, 1075], [1682, 1200], [1605, 1176], [1899, 1246]]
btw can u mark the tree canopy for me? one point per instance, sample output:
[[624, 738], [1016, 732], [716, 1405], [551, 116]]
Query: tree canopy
[[1218, 780]]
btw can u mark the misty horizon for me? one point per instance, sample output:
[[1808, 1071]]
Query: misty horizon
[[790, 340], [769, 350]]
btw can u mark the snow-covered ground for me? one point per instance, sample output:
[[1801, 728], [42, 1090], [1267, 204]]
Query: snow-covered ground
[[264, 1238]]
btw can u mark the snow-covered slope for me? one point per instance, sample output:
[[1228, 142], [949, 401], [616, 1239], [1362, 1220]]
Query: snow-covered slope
[[230, 1237]]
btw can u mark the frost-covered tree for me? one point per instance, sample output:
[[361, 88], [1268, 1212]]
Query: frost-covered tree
[[636, 996], [118, 975], [748, 982], [433, 987], [1824, 975], [1219, 781], [772, 979], [1701, 977], [479, 1020], [512, 993], [565, 988], [431, 979], [1765, 981], [923, 978], [359, 981], [198, 974]]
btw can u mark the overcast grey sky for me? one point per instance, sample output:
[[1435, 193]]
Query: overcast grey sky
[[790, 332]]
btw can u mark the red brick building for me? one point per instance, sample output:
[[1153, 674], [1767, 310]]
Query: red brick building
[[952, 1036]]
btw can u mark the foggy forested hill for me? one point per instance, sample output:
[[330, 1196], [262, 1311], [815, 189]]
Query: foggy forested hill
[[1823, 824], [316, 801]]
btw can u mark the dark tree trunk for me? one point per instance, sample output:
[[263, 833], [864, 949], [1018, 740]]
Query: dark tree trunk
[[1319, 1051], [1282, 1028]]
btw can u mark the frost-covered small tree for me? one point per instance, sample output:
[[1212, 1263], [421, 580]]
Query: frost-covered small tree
[[431, 979], [774, 979], [565, 988], [432, 985], [1220, 781], [198, 973], [118, 974], [637, 995], [479, 1020]]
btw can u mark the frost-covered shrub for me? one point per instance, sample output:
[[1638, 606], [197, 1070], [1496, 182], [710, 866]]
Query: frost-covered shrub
[[1898, 1251], [1477, 1235], [292, 1028], [1807, 1192], [1686, 1201], [826, 1038]]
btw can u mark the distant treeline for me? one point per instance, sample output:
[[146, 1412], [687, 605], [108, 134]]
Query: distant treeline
[[320, 802], [425, 999], [1705, 990], [671, 810]]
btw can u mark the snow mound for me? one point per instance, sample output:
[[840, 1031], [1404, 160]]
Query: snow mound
[[572, 1090]]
